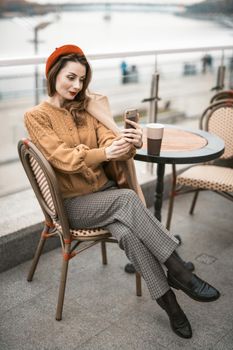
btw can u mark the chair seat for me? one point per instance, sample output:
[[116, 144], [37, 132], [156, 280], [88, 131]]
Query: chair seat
[[86, 234], [208, 177]]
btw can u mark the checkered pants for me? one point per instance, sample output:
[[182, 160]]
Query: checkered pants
[[146, 243]]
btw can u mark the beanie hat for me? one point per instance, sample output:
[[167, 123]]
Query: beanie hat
[[61, 51]]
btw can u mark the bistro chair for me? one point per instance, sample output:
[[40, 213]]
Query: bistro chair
[[217, 119], [222, 95], [44, 183]]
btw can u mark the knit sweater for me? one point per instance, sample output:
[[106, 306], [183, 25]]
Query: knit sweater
[[76, 153], [123, 172]]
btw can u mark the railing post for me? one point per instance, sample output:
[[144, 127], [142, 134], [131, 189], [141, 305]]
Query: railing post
[[220, 75], [154, 97]]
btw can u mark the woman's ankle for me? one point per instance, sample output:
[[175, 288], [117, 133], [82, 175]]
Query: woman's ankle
[[176, 268], [168, 302]]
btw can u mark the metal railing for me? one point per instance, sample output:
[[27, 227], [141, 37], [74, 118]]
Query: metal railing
[[19, 61], [170, 81], [155, 57]]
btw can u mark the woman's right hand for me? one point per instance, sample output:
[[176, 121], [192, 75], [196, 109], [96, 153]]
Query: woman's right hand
[[117, 149]]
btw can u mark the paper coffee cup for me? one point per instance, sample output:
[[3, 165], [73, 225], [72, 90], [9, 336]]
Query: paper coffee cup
[[154, 138]]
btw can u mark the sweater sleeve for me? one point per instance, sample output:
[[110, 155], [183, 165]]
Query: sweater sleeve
[[98, 106], [63, 157], [105, 138]]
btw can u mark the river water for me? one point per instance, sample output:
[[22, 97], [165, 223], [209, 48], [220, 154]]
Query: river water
[[125, 31]]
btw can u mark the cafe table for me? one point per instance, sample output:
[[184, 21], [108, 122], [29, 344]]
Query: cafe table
[[179, 146]]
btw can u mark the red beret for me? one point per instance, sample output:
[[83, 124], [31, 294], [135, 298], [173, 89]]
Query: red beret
[[60, 51]]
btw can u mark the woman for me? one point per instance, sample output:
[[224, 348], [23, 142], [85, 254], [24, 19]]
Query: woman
[[69, 129]]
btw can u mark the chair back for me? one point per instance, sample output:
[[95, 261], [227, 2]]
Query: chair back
[[222, 95], [218, 119], [44, 183]]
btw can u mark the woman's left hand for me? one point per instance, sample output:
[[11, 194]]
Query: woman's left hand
[[133, 135]]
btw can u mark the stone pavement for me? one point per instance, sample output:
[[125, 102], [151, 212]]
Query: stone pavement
[[101, 311]]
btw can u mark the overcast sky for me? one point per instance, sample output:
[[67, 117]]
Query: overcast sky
[[184, 2]]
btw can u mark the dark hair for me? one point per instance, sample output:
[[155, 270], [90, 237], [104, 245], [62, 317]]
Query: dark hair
[[77, 106]]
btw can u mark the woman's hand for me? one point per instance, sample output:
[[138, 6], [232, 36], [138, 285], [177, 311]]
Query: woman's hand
[[134, 134], [117, 149]]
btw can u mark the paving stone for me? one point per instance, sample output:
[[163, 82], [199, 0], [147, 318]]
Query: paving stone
[[101, 310], [16, 289], [124, 336], [226, 343], [33, 325], [206, 259]]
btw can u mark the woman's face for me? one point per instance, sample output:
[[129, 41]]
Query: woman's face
[[70, 81]]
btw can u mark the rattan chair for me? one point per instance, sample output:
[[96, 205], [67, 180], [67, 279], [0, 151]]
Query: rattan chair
[[222, 95], [44, 183], [217, 119]]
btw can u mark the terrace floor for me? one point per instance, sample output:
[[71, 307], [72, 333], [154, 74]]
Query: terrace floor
[[101, 311]]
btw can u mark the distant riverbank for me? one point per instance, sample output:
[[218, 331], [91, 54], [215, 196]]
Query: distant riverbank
[[221, 18], [26, 9], [32, 9]]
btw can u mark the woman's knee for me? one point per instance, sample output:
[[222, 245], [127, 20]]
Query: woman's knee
[[128, 195], [127, 240]]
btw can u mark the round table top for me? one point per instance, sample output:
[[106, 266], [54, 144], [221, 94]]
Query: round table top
[[183, 146]]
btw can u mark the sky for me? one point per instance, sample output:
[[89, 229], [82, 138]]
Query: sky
[[184, 2]]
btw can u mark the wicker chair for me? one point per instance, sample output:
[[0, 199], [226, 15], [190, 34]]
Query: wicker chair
[[217, 119], [222, 95], [44, 183]]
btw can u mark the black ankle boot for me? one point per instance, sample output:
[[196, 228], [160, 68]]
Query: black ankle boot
[[178, 320]]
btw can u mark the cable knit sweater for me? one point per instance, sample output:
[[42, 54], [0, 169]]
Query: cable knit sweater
[[76, 153]]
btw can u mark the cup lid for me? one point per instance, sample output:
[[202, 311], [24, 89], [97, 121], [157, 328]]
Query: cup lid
[[155, 125]]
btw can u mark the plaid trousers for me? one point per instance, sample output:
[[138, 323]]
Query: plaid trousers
[[146, 242]]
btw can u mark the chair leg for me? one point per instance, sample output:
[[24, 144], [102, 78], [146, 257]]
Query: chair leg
[[193, 202], [138, 284], [170, 211], [104, 253], [171, 198], [62, 287], [38, 253]]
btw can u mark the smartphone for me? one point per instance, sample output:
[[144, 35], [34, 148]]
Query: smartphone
[[131, 114]]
